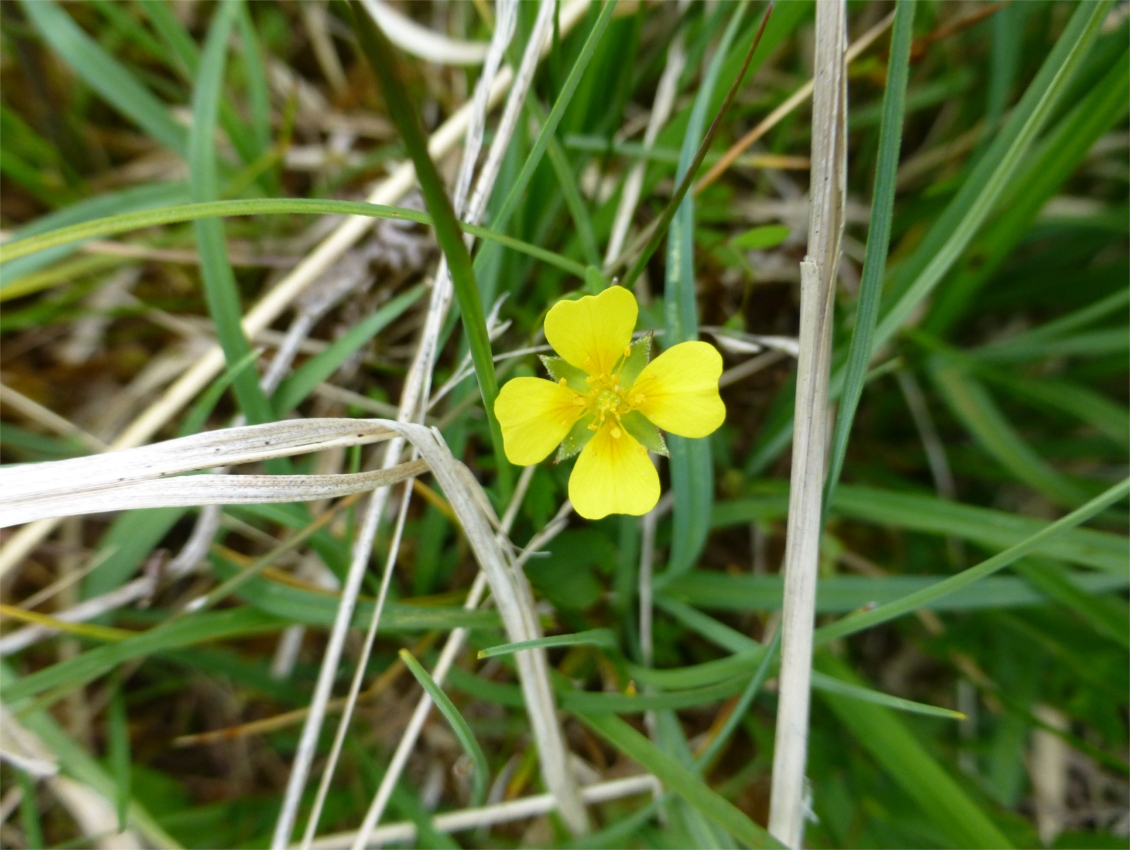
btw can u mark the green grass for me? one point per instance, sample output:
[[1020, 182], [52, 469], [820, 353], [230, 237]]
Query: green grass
[[972, 600]]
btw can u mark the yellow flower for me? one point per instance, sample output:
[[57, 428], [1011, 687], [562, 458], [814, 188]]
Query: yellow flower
[[608, 403]]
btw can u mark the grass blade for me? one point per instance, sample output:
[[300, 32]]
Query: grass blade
[[549, 127], [680, 779], [46, 240], [832, 685], [689, 170], [691, 463], [117, 728], [220, 288], [103, 73], [1057, 157], [65, 676], [847, 594], [976, 410], [594, 637], [1104, 614], [891, 745], [101, 206], [294, 389], [851, 625], [29, 811], [459, 726], [878, 240], [988, 180]]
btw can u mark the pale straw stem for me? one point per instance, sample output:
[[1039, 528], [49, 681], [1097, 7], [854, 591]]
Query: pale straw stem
[[802, 545], [526, 807]]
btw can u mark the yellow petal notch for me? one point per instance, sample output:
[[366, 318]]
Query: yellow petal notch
[[535, 416], [613, 475], [593, 332], [678, 390]]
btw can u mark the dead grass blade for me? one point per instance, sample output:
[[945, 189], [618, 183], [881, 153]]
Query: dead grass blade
[[802, 545]]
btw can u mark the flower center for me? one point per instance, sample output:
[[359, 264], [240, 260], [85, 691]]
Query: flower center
[[607, 400]]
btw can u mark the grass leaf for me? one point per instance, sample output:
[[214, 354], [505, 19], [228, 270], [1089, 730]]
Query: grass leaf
[[593, 637], [878, 241], [459, 726], [680, 779], [220, 287], [883, 735], [103, 73], [117, 729]]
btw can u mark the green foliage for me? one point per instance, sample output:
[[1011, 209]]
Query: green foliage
[[972, 597]]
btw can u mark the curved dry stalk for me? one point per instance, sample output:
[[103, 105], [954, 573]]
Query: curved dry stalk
[[420, 41], [198, 490], [141, 477], [802, 545]]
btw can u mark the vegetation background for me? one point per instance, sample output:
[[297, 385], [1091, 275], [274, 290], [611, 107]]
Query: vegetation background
[[995, 403]]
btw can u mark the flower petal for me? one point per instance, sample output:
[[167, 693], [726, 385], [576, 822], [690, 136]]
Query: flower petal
[[680, 390], [613, 476], [593, 332], [535, 416]]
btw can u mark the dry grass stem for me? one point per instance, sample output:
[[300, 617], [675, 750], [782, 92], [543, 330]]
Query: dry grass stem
[[420, 41], [526, 807], [802, 544]]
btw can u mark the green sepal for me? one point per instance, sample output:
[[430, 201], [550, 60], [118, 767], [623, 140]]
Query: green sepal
[[558, 368], [636, 359], [576, 439], [640, 427]]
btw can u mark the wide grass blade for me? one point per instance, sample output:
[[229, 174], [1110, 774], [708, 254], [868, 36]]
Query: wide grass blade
[[459, 726], [919, 512], [847, 594]]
